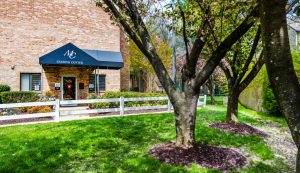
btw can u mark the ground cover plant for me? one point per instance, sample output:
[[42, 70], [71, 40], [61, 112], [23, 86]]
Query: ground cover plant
[[122, 144], [111, 94]]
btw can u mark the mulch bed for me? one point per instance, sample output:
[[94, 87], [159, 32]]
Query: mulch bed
[[239, 128], [27, 120], [204, 155]]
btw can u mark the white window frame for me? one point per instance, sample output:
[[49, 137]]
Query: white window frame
[[30, 82], [98, 82]]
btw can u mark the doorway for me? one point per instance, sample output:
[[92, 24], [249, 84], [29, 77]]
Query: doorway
[[69, 88]]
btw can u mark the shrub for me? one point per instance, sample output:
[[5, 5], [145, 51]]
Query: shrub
[[4, 88], [100, 105], [127, 95], [269, 101], [49, 94], [39, 109], [19, 97]]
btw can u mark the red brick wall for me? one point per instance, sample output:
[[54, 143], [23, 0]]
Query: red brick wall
[[125, 70], [32, 28]]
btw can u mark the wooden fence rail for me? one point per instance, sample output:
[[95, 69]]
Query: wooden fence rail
[[58, 112]]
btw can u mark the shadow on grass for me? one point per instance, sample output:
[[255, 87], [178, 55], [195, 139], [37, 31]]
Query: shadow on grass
[[109, 145]]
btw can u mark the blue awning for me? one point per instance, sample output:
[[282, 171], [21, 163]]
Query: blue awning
[[70, 55]]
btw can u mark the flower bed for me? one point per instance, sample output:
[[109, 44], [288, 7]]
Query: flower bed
[[27, 110]]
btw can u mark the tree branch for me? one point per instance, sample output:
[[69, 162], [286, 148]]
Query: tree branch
[[197, 48], [225, 69], [223, 48], [184, 31], [261, 59], [233, 65], [290, 6], [146, 47], [250, 56], [253, 72]]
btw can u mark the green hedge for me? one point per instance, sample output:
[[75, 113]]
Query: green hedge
[[19, 97], [269, 101], [4, 88], [127, 95]]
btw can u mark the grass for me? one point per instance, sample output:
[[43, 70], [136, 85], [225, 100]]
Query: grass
[[218, 99], [121, 144]]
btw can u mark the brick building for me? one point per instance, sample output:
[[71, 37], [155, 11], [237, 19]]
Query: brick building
[[84, 51]]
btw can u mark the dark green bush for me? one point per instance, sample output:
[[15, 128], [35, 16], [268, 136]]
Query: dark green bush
[[128, 95], [19, 97], [4, 88], [269, 101]]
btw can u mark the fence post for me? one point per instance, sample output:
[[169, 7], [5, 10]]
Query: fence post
[[122, 106], [169, 105], [204, 104], [57, 106]]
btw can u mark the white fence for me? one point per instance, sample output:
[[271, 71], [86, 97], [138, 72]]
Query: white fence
[[58, 112]]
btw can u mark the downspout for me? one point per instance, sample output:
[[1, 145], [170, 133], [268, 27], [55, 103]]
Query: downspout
[[95, 89]]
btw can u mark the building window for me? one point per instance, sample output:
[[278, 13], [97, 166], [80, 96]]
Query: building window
[[30, 82], [100, 84]]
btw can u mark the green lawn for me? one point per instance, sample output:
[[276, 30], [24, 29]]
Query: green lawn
[[121, 144], [218, 99]]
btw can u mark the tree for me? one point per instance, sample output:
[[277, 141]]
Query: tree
[[129, 14], [140, 66], [217, 77], [279, 64], [240, 69], [240, 66]]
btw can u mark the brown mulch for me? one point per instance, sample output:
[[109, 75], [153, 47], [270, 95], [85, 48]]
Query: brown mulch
[[239, 128], [27, 120], [204, 155]]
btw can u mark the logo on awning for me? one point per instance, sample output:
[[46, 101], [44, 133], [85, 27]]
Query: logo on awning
[[71, 54]]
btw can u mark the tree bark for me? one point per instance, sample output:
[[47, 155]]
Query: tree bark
[[298, 162], [279, 64], [210, 84], [232, 105], [185, 115]]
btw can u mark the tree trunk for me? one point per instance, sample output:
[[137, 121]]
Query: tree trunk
[[185, 122], [185, 108], [298, 162], [279, 63], [232, 106], [211, 90]]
